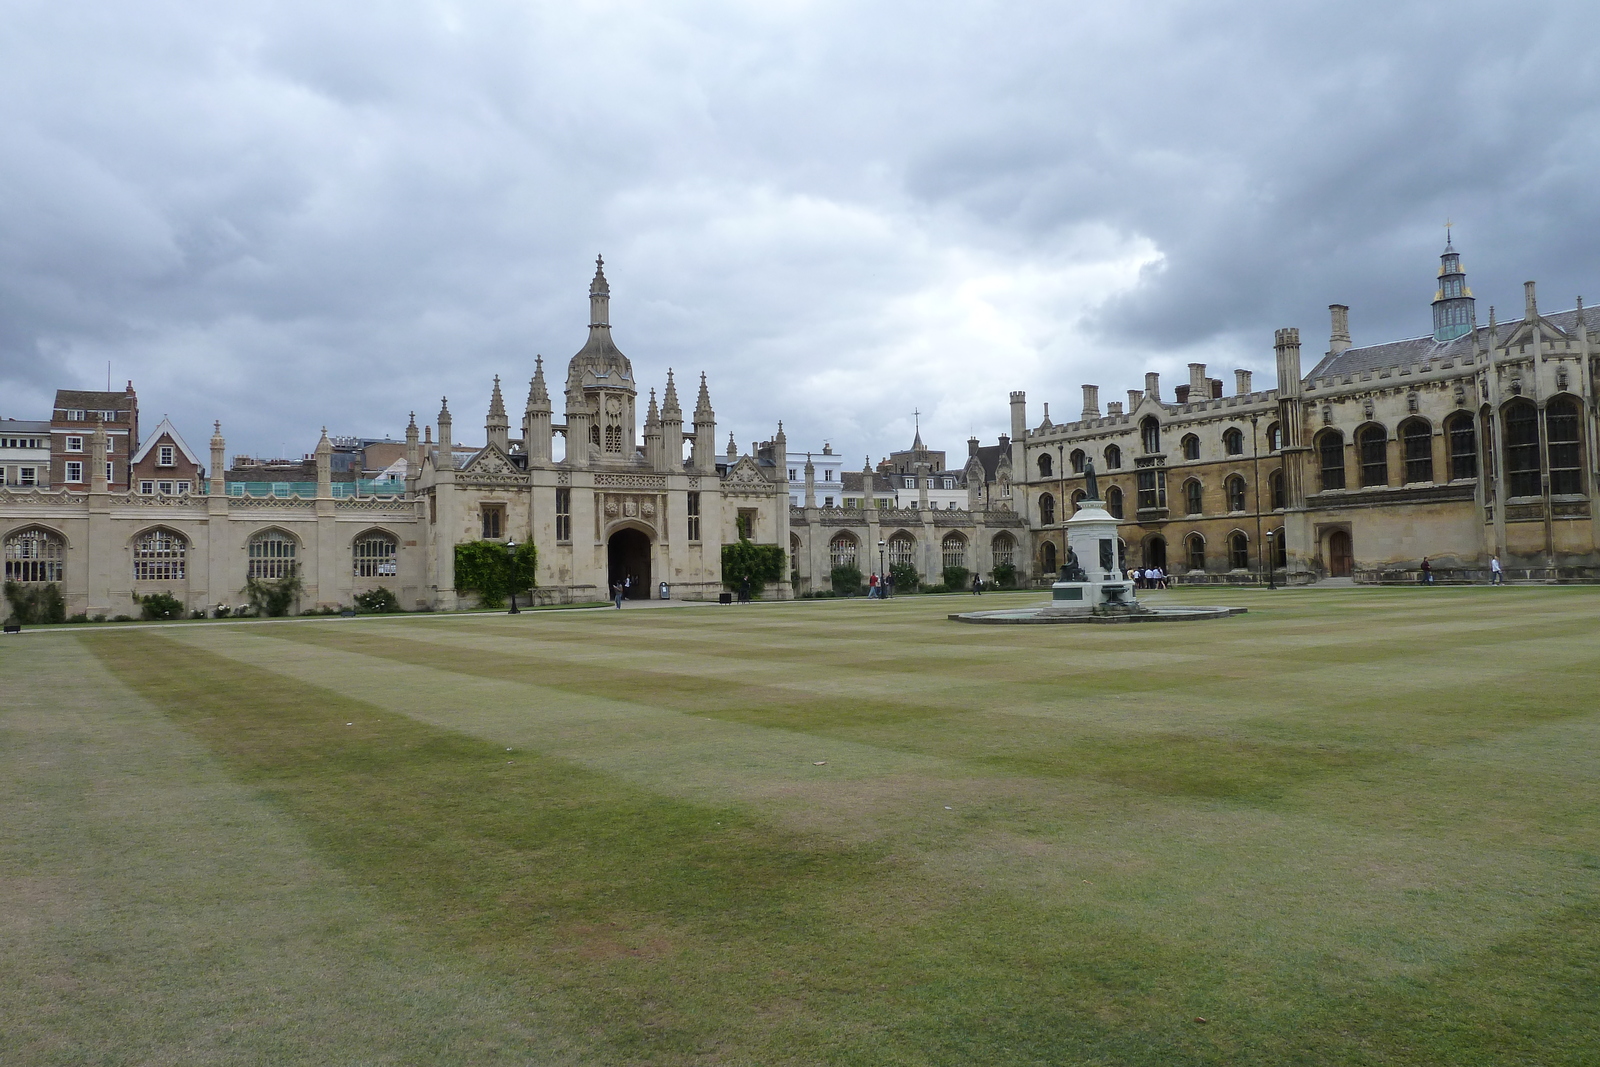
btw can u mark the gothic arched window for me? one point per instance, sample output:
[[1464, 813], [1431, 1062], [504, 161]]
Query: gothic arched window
[[272, 555], [35, 555], [954, 547], [1239, 551], [1191, 446], [1463, 438], [374, 555], [1047, 509], [1046, 467], [1280, 496], [1113, 458], [1235, 487], [1193, 497], [1004, 550], [1233, 441], [1373, 443], [1566, 452], [1416, 437], [1150, 434], [1522, 447], [158, 556], [1076, 458], [1330, 458], [1114, 502], [1195, 552], [842, 551]]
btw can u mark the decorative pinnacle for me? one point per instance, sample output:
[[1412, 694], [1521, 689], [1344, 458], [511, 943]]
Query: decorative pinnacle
[[497, 405]]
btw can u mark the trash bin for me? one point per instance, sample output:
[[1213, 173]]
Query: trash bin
[[665, 593], [724, 598]]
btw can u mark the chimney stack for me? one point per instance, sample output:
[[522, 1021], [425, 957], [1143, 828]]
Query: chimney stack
[[1197, 382], [1339, 331], [1286, 343], [1530, 310], [1133, 398], [1241, 382], [1152, 385], [1091, 402], [1114, 408]]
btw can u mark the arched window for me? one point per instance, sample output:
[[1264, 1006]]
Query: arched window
[[272, 554], [1238, 551], [1046, 467], [1191, 446], [1373, 443], [1522, 447], [1047, 509], [1274, 437], [594, 436], [1078, 497], [1193, 497], [158, 556], [1233, 441], [613, 438], [1194, 551], [1004, 550], [1150, 434], [1330, 457], [1280, 550], [954, 547], [1463, 437], [1114, 502], [1047, 558], [1113, 458], [1076, 459], [902, 550], [1416, 437], [1280, 495], [1235, 486], [375, 555], [1566, 453], [35, 555], [842, 551]]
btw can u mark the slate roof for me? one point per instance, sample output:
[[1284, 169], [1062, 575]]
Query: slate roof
[[73, 399], [850, 482], [1416, 350], [989, 456]]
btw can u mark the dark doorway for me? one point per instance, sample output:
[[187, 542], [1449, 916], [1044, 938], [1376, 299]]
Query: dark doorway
[[1047, 557], [1341, 561], [1155, 552], [628, 556]]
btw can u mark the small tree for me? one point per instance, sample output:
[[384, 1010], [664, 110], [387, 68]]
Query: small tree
[[745, 559], [32, 605], [487, 569], [1005, 576], [379, 601], [160, 606], [274, 597], [905, 578], [955, 577], [846, 579]]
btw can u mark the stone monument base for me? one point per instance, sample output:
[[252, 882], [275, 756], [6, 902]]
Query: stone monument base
[[1089, 598]]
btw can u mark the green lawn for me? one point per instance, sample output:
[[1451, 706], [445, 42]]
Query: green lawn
[[1349, 827]]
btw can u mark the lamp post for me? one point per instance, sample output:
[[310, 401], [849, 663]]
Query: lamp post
[[1272, 557], [1061, 504], [511, 569], [1255, 459], [883, 575]]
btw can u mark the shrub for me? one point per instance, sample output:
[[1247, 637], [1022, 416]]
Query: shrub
[[222, 612], [935, 589], [485, 568], [197, 613], [746, 559], [274, 597], [846, 580], [159, 606], [378, 601], [36, 604], [81, 616], [99, 618], [905, 578], [956, 577], [1005, 576], [122, 618]]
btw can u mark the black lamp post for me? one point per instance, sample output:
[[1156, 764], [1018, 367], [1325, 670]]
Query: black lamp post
[[883, 575], [511, 569], [1272, 557]]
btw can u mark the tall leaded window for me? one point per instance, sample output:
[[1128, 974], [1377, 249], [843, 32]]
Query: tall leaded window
[[1566, 456], [564, 515], [1416, 437], [954, 547], [1522, 447], [1150, 434], [1463, 438], [1113, 458], [1233, 441], [1235, 493], [494, 520], [1152, 488], [375, 555], [1114, 502], [1280, 549], [1047, 509], [902, 550], [1191, 446], [1280, 495], [272, 554], [842, 551], [158, 556], [1373, 442], [1004, 549], [1274, 438], [1195, 552], [35, 555], [1046, 466], [1047, 557], [1193, 497], [1076, 458], [1239, 551], [1330, 458], [1078, 497]]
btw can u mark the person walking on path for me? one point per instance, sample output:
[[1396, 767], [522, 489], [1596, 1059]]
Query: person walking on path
[[874, 591], [977, 584], [617, 589], [744, 590], [1496, 575], [1427, 571]]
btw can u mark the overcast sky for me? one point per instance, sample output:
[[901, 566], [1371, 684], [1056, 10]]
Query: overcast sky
[[284, 214]]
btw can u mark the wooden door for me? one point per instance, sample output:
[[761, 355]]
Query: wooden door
[[1341, 561]]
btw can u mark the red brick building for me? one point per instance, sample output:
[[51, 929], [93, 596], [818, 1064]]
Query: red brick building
[[72, 425], [165, 465]]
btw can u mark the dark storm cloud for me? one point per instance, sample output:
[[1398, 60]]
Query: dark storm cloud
[[284, 215]]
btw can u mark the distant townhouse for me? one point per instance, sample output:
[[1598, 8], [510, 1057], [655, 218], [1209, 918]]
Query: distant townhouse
[[24, 453]]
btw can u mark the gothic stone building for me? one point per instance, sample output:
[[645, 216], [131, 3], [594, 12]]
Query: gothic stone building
[[1472, 441]]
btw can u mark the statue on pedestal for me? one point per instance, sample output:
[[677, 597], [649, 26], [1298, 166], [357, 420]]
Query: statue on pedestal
[[1072, 570], [1090, 486]]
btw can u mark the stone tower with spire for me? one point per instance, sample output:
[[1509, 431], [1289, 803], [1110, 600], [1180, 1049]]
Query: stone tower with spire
[[1454, 309], [601, 392], [536, 417]]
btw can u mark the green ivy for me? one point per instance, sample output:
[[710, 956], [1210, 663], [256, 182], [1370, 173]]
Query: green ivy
[[956, 577], [274, 596], [1005, 576], [485, 568], [846, 580], [759, 563], [32, 605], [906, 578]]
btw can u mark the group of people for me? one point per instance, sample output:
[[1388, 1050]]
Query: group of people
[[880, 588], [621, 590], [1497, 575], [1147, 577]]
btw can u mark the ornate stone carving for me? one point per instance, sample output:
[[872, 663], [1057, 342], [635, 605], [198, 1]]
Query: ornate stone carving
[[630, 507], [611, 509], [631, 481], [647, 508]]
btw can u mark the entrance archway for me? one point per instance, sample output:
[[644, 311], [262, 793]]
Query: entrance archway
[[628, 556], [1341, 558], [1155, 552]]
